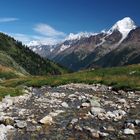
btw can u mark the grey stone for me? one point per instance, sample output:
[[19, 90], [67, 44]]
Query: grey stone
[[20, 124], [103, 134], [95, 102], [64, 104], [110, 129], [73, 121], [85, 105], [46, 120], [137, 122], [97, 110], [128, 131], [122, 101]]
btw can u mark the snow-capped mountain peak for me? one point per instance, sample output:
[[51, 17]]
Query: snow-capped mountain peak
[[124, 26], [78, 36]]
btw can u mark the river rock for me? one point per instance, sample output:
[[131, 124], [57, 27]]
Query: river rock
[[96, 110], [20, 124], [122, 101], [110, 129], [46, 120], [84, 105], [95, 102], [103, 134], [137, 122], [64, 104], [128, 131], [73, 121], [110, 114]]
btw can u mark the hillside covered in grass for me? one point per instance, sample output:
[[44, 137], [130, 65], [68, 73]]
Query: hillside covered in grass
[[9, 73], [14, 54]]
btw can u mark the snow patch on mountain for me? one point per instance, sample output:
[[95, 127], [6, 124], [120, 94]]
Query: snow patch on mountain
[[78, 36], [51, 49], [64, 47], [34, 49]]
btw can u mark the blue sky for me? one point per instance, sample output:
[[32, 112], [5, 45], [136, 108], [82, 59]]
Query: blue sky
[[53, 20]]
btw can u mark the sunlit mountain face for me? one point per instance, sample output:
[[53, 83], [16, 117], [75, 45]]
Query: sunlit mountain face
[[84, 50]]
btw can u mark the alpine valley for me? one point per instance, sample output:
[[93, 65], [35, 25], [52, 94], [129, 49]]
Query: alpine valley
[[40, 99], [118, 46]]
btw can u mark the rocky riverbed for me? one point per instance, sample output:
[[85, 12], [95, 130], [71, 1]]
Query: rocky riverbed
[[71, 112]]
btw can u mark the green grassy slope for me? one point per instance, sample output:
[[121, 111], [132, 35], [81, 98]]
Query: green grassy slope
[[24, 58], [7, 73], [7, 61], [121, 78]]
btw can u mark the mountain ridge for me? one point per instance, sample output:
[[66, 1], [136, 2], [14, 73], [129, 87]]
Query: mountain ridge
[[81, 52]]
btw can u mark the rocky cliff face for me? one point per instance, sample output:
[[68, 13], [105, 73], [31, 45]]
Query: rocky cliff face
[[128, 52]]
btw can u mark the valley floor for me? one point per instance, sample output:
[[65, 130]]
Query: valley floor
[[71, 112]]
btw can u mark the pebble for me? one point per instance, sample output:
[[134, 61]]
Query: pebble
[[20, 124], [73, 121], [110, 129], [64, 104], [84, 105], [46, 120], [96, 110], [95, 102], [137, 122], [122, 101], [102, 134]]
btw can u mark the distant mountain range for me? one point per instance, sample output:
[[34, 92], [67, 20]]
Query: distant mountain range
[[16, 56], [118, 46]]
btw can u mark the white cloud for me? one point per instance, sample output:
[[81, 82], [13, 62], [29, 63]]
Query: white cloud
[[11, 19], [47, 30], [45, 34], [21, 37]]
